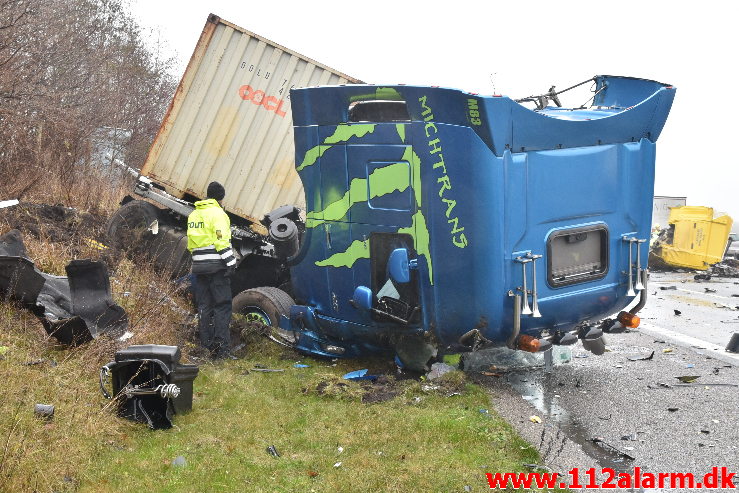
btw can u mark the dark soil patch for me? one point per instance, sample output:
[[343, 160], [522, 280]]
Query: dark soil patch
[[381, 390]]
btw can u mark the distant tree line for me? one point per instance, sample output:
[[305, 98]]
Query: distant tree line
[[67, 69]]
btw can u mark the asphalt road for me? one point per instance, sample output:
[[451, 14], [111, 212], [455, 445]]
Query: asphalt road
[[616, 412]]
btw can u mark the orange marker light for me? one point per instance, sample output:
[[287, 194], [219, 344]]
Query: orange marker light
[[628, 320], [528, 343]]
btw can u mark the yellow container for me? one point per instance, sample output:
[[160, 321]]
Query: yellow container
[[695, 239]]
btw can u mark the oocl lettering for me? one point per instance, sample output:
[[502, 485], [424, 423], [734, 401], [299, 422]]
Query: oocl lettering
[[259, 98]]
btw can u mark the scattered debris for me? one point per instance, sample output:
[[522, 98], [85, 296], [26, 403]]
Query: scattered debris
[[535, 419], [668, 288], [690, 365], [709, 290], [73, 309], [179, 461], [641, 358], [706, 385], [45, 411], [300, 365], [499, 360], [8, 203], [149, 384], [725, 306], [339, 450], [673, 409], [271, 450], [733, 345], [608, 446], [688, 378], [667, 350], [359, 375], [338, 464], [267, 370], [439, 369], [678, 312], [702, 277]]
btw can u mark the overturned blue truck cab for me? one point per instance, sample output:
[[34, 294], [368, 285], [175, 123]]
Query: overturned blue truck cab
[[442, 221]]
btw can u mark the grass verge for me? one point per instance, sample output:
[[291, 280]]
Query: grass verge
[[331, 434]]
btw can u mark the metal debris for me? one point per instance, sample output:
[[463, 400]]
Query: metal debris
[[271, 450]]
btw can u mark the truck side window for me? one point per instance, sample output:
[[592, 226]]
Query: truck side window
[[379, 111]]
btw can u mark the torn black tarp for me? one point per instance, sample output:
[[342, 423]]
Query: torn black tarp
[[73, 309]]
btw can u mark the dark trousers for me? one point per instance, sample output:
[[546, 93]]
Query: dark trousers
[[213, 296]]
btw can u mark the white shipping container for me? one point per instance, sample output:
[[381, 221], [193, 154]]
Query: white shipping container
[[230, 121]]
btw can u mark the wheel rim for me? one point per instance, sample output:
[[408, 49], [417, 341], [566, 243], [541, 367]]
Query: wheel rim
[[254, 314]]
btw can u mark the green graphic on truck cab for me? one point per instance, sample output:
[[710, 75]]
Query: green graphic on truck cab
[[388, 179], [343, 133]]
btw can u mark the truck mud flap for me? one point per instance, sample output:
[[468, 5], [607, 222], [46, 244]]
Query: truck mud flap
[[73, 309]]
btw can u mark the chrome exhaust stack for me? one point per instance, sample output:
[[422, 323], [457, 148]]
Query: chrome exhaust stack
[[639, 285], [534, 295], [631, 291], [525, 308]]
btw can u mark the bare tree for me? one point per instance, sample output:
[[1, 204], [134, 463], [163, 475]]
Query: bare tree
[[67, 69]]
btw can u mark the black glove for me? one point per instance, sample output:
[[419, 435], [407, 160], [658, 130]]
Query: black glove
[[230, 270]]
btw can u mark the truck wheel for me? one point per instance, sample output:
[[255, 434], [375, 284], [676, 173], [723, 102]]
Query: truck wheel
[[126, 226], [265, 305]]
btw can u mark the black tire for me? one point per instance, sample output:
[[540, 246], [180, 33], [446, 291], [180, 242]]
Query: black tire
[[266, 305], [127, 225]]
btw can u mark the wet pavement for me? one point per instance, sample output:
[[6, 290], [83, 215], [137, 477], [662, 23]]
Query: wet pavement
[[620, 411]]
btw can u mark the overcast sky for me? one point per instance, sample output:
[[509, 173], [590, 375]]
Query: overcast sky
[[517, 48]]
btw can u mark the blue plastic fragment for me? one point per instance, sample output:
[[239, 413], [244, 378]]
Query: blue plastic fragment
[[301, 365], [690, 365], [359, 375]]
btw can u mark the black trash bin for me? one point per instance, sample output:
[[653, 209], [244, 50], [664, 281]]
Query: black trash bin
[[150, 384]]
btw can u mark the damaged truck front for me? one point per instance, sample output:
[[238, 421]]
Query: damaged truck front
[[439, 220], [413, 220]]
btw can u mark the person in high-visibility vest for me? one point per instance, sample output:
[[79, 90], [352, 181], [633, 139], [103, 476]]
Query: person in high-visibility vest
[[213, 262]]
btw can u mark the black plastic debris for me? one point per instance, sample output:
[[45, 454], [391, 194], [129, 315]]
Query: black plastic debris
[[73, 309], [641, 358], [149, 384], [702, 277], [678, 312], [668, 288], [733, 345], [271, 450]]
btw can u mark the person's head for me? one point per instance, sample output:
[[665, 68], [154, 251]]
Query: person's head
[[216, 191]]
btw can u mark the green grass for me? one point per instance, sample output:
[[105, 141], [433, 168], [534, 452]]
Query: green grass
[[440, 443], [415, 439]]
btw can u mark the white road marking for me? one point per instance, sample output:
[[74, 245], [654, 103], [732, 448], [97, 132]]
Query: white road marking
[[713, 350]]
